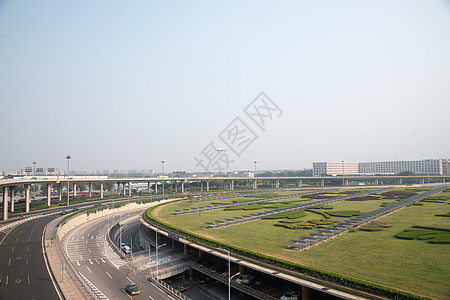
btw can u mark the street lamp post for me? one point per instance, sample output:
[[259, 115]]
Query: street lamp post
[[162, 176], [68, 157], [157, 247], [34, 168]]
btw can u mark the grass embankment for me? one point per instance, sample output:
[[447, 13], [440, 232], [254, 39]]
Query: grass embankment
[[376, 256]]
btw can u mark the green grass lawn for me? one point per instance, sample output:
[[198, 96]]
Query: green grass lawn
[[409, 265]]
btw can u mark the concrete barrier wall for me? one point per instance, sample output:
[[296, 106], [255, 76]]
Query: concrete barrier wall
[[83, 217]]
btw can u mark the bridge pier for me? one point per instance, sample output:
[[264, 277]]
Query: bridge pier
[[59, 191], [12, 199], [346, 182], [5, 203], [300, 183], [306, 293], [49, 194], [27, 197], [207, 185], [90, 189], [376, 182], [182, 186], [400, 181], [101, 190], [129, 189], [74, 189], [322, 182], [277, 184], [232, 185]]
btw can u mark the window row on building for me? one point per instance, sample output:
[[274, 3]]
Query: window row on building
[[425, 167]]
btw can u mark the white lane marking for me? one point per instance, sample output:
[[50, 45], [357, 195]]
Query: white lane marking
[[28, 277], [17, 238], [73, 238], [27, 261], [82, 237], [109, 275], [78, 263], [151, 297], [29, 238], [97, 261], [91, 262], [9, 262], [98, 245], [92, 237], [81, 257], [28, 248], [89, 270], [21, 232], [6, 279], [12, 250], [89, 250], [103, 260]]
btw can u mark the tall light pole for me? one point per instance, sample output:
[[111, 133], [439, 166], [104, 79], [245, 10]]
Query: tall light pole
[[68, 157], [34, 168], [255, 162], [162, 176], [157, 247]]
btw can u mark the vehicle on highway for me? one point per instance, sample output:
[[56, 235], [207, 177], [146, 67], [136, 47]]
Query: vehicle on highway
[[126, 249], [132, 289], [63, 212], [183, 287], [291, 295], [75, 209], [245, 279]]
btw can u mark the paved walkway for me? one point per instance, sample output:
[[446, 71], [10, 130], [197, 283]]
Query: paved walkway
[[71, 287]]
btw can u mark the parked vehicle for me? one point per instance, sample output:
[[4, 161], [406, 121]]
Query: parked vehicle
[[291, 295], [245, 279]]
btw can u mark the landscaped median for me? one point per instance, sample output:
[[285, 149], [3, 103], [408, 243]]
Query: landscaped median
[[370, 260]]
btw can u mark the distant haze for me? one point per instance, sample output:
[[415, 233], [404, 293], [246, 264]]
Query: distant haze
[[124, 85]]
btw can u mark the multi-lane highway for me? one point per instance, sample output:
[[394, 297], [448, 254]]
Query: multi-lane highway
[[92, 256], [22, 265]]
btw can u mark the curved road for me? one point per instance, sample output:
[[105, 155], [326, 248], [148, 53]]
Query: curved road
[[90, 253], [22, 266]]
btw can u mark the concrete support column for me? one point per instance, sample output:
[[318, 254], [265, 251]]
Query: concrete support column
[[277, 184], [443, 180], [232, 185], [101, 190], [422, 181], [5, 203], [27, 197], [59, 192], [74, 189], [182, 186], [12, 199], [148, 187], [255, 184], [300, 183], [201, 185], [129, 189], [346, 182], [90, 189], [49, 194], [306, 293], [322, 182], [176, 186], [207, 185], [376, 182], [156, 187], [400, 181]]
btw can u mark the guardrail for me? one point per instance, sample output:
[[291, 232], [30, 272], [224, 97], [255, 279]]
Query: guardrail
[[168, 288], [240, 287]]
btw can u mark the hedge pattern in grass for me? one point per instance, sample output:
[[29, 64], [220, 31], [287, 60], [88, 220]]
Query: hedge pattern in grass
[[433, 235], [344, 213], [283, 264], [288, 215], [375, 226], [443, 215]]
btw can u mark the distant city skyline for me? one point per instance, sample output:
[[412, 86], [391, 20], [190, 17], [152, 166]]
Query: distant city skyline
[[127, 85]]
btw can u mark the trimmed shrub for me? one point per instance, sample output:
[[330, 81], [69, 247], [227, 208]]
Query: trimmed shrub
[[344, 213]]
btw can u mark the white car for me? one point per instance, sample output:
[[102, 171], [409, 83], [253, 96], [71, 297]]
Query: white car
[[245, 279], [291, 295]]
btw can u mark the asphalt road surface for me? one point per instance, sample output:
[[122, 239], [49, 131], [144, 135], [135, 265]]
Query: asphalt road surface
[[22, 266]]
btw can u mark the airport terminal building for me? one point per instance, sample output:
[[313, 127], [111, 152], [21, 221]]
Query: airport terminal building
[[425, 167]]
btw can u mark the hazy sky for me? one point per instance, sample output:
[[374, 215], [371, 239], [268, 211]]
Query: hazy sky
[[124, 85]]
